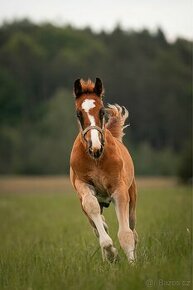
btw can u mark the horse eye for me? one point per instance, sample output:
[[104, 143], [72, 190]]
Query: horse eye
[[102, 112], [80, 117], [78, 114]]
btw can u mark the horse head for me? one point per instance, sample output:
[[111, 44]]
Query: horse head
[[90, 113]]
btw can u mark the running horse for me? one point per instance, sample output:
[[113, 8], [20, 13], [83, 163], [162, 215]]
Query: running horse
[[101, 168]]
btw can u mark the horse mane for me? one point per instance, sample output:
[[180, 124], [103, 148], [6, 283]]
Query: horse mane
[[116, 122], [88, 87]]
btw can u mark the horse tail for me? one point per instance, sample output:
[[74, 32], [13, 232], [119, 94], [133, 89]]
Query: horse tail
[[116, 122]]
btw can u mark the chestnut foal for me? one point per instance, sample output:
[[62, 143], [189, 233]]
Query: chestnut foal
[[101, 168]]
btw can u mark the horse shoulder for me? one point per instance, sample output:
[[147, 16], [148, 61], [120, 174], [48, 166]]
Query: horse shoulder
[[124, 163], [77, 152]]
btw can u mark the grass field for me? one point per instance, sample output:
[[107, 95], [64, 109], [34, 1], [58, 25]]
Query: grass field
[[47, 243]]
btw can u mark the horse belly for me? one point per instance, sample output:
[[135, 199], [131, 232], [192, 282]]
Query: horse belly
[[104, 200], [102, 195]]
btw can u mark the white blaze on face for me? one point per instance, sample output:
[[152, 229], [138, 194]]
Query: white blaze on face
[[87, 105]]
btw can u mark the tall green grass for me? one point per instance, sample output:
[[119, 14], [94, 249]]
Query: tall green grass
[[47, 243]]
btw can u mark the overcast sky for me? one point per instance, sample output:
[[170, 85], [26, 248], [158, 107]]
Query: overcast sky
[[173, 16]]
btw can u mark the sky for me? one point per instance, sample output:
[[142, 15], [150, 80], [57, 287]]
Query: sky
[[174, 17]]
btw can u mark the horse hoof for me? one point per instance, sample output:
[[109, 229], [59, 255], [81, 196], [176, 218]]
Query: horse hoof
[[132, 262], [110, 254]]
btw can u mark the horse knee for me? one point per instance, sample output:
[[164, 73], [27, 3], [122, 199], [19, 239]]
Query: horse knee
[[90, 205], [126, 237]]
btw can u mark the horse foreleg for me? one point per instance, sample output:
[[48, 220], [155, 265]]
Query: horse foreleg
[[92, 209], [125, 234], [93, 225]]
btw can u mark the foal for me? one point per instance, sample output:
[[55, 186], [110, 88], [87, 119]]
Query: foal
[[101, 169]]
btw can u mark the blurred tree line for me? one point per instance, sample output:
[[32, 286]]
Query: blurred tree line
[[140, 70]]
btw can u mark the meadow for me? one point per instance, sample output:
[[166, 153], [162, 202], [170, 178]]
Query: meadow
[[47, 243]]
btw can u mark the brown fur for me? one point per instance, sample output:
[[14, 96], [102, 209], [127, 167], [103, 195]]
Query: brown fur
[[111, 176]]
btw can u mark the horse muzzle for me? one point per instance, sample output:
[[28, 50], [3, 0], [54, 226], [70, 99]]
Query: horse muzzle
[[96, 153]]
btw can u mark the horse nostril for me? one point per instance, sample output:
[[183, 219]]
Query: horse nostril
[[89, 144], [97, 154]]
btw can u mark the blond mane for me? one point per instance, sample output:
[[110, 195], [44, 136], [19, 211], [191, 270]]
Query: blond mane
[[116, 122]]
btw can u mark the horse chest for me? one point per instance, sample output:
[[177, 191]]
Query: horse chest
[[102, 191]]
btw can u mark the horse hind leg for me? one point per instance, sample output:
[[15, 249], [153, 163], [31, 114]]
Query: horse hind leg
[[105, 224], [132, 211], [103, 218]]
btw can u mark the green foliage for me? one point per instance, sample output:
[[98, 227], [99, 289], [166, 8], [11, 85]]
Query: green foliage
[[48, 143], [185, 164], [11, 99], [150, 161], [141, 71], [10, 140], [52, 139]]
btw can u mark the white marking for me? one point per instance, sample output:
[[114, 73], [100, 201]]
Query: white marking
[[104, 238], [87, 105]]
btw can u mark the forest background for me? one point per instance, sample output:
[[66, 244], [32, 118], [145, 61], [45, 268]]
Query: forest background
[[141, 70]]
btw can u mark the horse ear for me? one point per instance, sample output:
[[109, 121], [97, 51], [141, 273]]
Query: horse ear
[[77, 88], [98, 89]]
